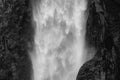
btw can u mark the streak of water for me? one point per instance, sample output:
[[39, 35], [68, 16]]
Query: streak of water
[[59, 39]]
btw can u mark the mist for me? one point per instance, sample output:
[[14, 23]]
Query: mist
[[59, 50]]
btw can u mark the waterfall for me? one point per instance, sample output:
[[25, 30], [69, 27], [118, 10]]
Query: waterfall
[[59, 39]]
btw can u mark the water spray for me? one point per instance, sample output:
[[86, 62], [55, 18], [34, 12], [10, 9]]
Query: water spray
[[59, 39]]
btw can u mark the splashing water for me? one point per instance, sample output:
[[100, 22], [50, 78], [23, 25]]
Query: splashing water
[[59, 39]]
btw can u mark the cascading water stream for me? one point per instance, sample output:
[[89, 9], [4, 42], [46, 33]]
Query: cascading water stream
[[59, 39]]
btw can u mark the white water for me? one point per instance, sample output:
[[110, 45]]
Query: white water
[[59, 39]]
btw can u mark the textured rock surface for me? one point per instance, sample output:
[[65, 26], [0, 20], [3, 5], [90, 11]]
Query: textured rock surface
[[14, 30], [103, 33]]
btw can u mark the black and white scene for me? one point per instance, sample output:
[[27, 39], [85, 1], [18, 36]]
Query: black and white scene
[[59, 39]]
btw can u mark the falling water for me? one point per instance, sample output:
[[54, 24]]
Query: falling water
[[59, 39]]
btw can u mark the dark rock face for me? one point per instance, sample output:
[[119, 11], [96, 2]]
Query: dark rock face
[[16, 33], [103, 33]]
